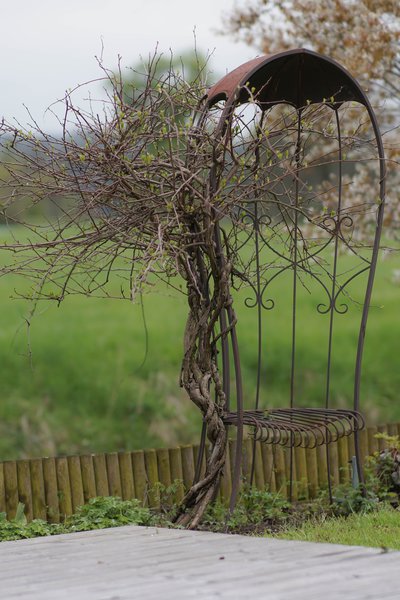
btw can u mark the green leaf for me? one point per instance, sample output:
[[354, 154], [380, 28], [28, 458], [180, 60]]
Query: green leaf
[[20, 517]]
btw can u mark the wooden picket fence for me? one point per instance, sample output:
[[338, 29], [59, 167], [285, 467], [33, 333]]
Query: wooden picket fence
[[52, 488]]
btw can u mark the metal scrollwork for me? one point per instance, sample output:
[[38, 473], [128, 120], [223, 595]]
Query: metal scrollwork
[[258, 299]]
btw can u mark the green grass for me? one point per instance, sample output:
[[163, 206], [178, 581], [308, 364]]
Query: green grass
[[375, 529], [78, 379], [86, 388]]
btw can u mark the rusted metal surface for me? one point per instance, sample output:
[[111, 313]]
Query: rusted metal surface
[[299, 78], [226, 86], [274, 80]]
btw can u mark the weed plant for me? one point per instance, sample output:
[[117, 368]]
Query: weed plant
[[256, 511], [99, 513]]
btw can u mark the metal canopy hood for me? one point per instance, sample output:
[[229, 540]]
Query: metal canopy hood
[[297, 77]]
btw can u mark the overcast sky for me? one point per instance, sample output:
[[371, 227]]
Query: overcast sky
[[48, 46]]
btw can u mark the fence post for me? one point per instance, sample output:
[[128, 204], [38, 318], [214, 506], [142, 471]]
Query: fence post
[[2, 490], [175, 461], [140, 476], [51, 490], [38, 493], [363, 445], [88, 477], [75, 478], [301, 473], [187, 465], [268, 466], [100, 475], [11, 488], [126, 473], [64, 487], [280, 470], [113, 474], [334, 464], [24, 487], [322, 467], [164, 468], [288, 456], [150, 458], [258, 465], [344, 466], [312, 472]]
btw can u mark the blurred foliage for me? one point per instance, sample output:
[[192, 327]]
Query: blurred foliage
[[191, 67], [94, 376]]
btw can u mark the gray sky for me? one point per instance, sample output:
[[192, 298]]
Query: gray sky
[[48, 46]]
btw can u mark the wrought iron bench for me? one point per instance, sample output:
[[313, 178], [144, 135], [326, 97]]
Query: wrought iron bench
[[302, 216]]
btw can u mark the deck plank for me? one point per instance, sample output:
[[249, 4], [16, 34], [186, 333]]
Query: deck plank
[[151, 563]]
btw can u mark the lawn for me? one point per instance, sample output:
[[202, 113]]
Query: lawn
[[81, 377], [376, 529]]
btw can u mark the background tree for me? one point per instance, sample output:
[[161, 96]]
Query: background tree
[[363, 35], [190, 66], [130, 181]]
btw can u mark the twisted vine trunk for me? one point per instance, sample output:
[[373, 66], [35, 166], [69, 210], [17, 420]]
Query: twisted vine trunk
[[200, 376]]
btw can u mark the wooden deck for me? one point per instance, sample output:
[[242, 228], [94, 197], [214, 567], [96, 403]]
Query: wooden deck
[[148, 563]]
